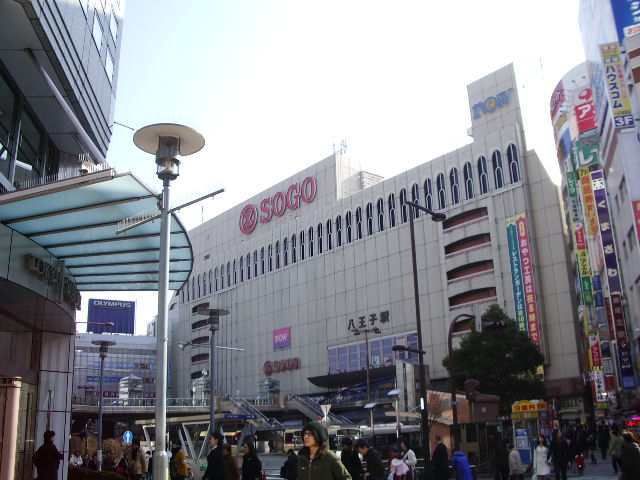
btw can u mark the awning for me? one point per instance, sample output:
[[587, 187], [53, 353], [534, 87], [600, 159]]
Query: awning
[[76, 221]]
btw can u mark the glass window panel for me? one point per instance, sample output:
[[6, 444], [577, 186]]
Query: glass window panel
[[343, 359], [387, 353], [363, 356], [113, 26], [375, 347], [353, 358], [97, 31], [109, 66], [30, 141], [7, 101]]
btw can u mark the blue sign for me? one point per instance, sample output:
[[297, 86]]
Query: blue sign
[[626, 14], [127, 437], [491, 104], [102, 312], [236, 416]]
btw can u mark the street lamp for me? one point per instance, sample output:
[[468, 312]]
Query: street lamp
[[463, 318], [166, 141], [424, 413], [103, 347], [214, 315], [370, 406]]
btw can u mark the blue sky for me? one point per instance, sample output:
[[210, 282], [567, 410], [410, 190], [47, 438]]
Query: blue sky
[[273, 84]]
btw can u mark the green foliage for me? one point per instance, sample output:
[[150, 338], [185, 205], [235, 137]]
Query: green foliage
[[503, 359]]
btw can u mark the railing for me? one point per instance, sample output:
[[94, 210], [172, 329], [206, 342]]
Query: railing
[[141, 402], [317, 409]]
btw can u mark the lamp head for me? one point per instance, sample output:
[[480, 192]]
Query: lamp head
[[438, 217], [399, 348]]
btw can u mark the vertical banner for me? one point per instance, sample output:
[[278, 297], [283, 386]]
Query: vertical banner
[[588, 201], [528, 280], [627, 378], [606, 232], [516, 275], [614, 77], [636, 216], [585, 111], [584, 265]]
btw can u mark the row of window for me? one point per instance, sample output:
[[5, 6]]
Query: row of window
[[96, 32], [343, 230], [352, 358]]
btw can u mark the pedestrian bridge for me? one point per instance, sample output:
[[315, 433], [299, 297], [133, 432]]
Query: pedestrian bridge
[[186, 406]]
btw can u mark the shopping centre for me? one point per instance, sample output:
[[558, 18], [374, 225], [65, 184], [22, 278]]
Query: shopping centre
[[325, 254]]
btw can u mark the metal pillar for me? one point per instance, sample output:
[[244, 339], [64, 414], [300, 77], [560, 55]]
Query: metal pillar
[[212, 379], [103, 354], [160, 458]]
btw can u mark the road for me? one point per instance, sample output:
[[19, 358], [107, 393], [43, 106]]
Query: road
[[602, 471]]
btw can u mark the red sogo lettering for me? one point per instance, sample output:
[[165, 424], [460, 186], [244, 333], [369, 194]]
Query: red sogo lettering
[[280, 202]]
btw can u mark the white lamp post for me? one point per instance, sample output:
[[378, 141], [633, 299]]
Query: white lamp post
[[166, 141]]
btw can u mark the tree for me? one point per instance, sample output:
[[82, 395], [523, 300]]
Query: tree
[[503, 359]]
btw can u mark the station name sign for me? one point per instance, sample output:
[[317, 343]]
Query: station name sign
[[277, 204]]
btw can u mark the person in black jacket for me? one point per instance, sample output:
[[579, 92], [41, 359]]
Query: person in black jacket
[[560, 455], [440, 460], [47, 458], [289, 470], [374, 468], [350, 459], [251, 464], [215, 460]]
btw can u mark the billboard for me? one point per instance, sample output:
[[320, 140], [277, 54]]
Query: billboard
[[585, 111], [282, 338], [516, 275], [627, 378], [121, 313], [626, 14], [619, 100]]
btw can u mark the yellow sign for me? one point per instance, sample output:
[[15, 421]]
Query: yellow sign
[[528, 406], [584, 266]]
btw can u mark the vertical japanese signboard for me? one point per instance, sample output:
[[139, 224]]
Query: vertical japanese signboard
[[585, 111], [584, 265], [524, 290], [619, 100], [636, 216], [588, 201], [627, 378]]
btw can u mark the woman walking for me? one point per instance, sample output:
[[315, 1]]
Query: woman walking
[[316, 461], [251, 464], [231, 471], [541, 467], [408, 457]]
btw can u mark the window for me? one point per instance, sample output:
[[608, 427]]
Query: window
[[380, 209], [617, 202], [302, 245], [464, 218], [113, 26], [198, 283], [483, 175], [204, 284], [440, 191], [285, 251], [348, 222], [311, 237], [97, 31], [270, 258], [428, 194], [261, 260], [623, 189], [215, 275], [108, 66], [358, 223], [329, 236], [631, 239], [255, 263], [392, 210], [514, 164], [182, 295], [455, 189], [30, 143], [293, 249], [498, 176], [210, 282], [235, 273], [319, 231], [415, 198], [467, 172], [403, 206], [222, 277], [624, 249], [277, 254], [369, 213], [338, 231], [248, 266], [228, 274]]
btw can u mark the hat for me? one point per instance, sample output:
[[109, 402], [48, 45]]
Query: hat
[[318, 431]]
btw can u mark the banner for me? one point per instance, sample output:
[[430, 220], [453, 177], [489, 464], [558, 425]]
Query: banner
[[528, 279], [606, 232], [636, 216], [588, 201], [282, 338], [614, 77], [587, 151], [627, 378], [111, 316], [516, 275], [585, 111], [584, 265]]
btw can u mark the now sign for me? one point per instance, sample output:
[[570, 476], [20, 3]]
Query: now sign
[[282, 338]]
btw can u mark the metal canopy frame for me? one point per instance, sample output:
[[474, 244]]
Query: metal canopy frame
[[78, 224]]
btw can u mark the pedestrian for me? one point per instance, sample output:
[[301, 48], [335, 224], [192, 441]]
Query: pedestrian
[[215, 469], [182, 470], [137, 464], [350, 459], [122, 467], [47, 458], [251, 464], [398, 470], [461, 466], [374, 470], [516, 467], [629, 458], [440, 460], [409, 457], [603, 439], [289, 470], [150, 464], [75, 460], [541, 467], [315, 460], [615, 448], [231, 471], [559, 454], [501, 461], [591, 446]]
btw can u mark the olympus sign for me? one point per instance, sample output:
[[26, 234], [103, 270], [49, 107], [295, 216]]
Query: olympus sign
[[278, 204]]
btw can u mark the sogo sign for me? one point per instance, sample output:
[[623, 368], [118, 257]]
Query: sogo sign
[[278, 204]]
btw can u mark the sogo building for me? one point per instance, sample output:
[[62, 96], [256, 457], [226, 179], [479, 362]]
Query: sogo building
[[327, 251]]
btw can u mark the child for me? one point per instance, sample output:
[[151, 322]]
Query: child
[[398, 469]]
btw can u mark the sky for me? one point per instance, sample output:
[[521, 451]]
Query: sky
[[274, 84]]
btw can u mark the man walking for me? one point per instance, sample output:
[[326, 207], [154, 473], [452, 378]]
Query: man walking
[[440, 460], [47, 458], [374, 470]]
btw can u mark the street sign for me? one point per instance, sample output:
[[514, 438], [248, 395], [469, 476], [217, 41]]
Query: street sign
[[127, 437], [238, 416], [403, 414]]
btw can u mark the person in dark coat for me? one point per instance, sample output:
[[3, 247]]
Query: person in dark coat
[[215, 460], [603, 439], [374, 469], [47, 458], [629, 458], [560, 455], [316, 461], [289, 470], [251, 464], [501, 461], [440, 460], [350, 459]]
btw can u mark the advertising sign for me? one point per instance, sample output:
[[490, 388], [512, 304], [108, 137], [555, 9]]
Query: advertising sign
[[585, 111], [528, 280], [626, 14], [516, 275], [619, 100], [624, 350], [558, 97], [282, 338], [121, 313], [491, 104], [636, 215], [588, 201], [606, 232], [587, 151]]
